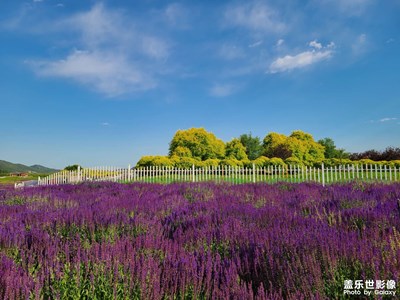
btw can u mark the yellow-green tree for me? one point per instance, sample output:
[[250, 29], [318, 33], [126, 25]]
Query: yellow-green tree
[[235, 149], [273, 143], [299, 145], [203, 145], [182, 152], [311, 151]]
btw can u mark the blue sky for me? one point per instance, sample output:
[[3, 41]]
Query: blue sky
[[103, 83]]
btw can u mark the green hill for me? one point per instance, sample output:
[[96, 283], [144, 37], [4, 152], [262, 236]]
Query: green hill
[[8, 167]]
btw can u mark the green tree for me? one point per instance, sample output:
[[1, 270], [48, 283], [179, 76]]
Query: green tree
[[202, 144], [235, 149], [72, 168], [330, 148], [252, 144], [331, 151]]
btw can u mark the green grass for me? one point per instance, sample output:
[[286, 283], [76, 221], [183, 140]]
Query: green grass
[[248, 178], [14, 179]]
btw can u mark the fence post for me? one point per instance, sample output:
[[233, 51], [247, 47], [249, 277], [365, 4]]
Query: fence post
[[129, 172], [79, 174], [254, 173], [193, 179], [323, 174]]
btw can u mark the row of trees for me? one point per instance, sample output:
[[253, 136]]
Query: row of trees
[[198, 147], [388, 154]]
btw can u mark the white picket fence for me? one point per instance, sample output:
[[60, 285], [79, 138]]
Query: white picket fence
[[235, 175]]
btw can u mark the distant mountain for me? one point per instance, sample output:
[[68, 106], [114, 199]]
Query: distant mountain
[[8, 167]]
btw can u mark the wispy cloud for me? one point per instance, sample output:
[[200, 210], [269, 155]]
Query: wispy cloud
[[256, 44], [114, 57], [279, 42], [391, 40], [105, 124], [384, 120], [222, 90], [348, 7], [109, 74], [230, 52], [177, 15], [359, 44], [387, 119], [303, 59], [256, 16]]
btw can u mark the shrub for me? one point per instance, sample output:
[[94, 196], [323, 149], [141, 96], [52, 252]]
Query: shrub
[[185, 162], [261, 161], [294, 161], [231, 162], [159, 161], [395, 163], [276, 161], [211, 162]]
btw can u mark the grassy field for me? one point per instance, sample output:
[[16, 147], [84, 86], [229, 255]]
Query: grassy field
[[14, 179]]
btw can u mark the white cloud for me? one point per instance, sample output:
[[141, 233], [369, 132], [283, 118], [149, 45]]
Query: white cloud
[[300, 60], [256, 16], [222, 90], [107, 73], [303, 59], [331, 45], [115, 57], [387, 119], [103, 28], [105, 124], [256, 44], [315, 44]]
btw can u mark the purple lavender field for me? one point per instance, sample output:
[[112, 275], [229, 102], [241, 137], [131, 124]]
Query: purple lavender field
[[196, 241]]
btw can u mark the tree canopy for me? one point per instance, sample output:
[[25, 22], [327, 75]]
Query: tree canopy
[[201, 144], [252, 144], [198, 147], [235, 149], [73, 168], [299, 145]]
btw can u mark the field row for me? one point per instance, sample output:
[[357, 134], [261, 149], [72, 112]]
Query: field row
[[198, 241]]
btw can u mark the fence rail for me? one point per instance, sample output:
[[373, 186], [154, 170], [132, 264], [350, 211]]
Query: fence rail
[[235, 175]]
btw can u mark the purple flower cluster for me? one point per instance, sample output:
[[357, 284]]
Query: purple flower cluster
[[196, 240]]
